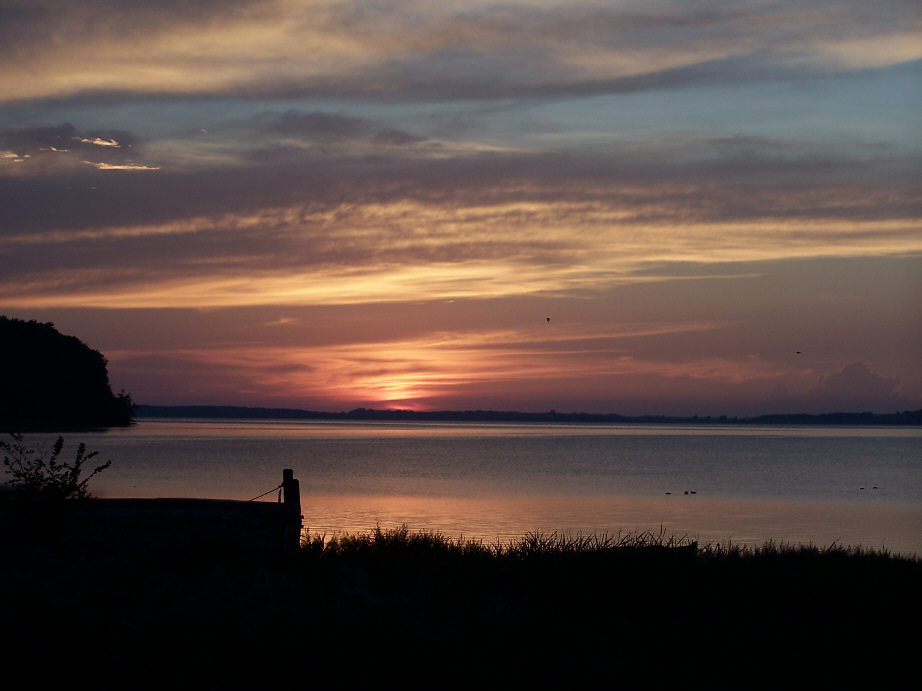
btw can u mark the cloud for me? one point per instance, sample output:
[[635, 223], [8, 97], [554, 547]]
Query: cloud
[[413, 50], [316, 124], [321, 228], [57, 147], [426, 367], [327, 128], [35, 139], [689, 343], [393, 137], [856, 380], [349, 253], [99, 141], [681, 182], [855, 387], [119, 166]]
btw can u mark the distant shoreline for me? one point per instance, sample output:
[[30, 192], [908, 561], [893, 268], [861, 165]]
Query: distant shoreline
[[906, 418]]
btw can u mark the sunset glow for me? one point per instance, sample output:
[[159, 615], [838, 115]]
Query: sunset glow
[[670, 207]]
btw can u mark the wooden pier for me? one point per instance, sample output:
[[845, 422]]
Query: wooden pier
[[165, 524]]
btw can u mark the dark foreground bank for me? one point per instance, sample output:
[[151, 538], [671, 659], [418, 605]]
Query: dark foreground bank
[[393, 609]]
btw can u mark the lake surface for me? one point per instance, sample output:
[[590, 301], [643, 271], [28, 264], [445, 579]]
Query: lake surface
[[726, 484]]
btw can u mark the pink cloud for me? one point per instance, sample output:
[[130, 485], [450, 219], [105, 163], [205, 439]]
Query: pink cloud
[[858, 387]]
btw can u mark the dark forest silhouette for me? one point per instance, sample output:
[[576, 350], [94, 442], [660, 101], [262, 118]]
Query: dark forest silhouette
[[49, 380], [909, 417]]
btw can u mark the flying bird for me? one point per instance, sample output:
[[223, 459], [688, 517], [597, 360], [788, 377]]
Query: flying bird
[[548, 319]]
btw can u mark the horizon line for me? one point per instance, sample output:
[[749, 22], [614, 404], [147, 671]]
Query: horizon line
[[548, 414]]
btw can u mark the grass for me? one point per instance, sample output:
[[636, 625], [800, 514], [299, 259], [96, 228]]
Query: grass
[[420, 610]]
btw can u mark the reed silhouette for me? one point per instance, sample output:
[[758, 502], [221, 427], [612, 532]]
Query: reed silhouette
[[398, 609]]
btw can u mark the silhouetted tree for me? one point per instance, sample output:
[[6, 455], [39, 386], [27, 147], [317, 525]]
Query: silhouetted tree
[[51, 380]]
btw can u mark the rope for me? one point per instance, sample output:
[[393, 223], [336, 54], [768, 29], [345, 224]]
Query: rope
[[265, 493]]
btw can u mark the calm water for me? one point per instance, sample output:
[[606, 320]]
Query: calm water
[[853, 486]]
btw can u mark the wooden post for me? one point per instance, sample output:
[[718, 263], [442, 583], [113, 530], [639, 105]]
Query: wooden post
[[291, 492], [291, 497]]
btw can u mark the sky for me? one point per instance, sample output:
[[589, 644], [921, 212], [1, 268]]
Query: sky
[[672, 207]]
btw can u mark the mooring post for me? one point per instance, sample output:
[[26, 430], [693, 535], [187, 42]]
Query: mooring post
[[291, 497], [291, 492]]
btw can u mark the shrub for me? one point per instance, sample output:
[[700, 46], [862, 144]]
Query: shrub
[[49, 478]]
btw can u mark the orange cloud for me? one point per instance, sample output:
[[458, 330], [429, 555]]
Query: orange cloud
[[390, 252], [427, 371]]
